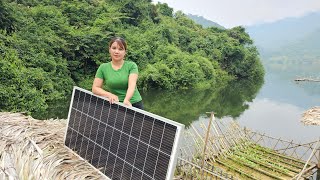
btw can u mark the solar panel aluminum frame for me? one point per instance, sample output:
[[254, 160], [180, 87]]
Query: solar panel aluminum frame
[[176, 143]]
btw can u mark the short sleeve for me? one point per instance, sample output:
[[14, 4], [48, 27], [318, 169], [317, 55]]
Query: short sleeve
[[133, 69], [99, 73]]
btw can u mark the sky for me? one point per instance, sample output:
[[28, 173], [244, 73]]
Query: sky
[[231, 13]]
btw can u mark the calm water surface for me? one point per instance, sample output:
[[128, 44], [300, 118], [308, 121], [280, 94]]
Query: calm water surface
[[278, 108], [274, 107]]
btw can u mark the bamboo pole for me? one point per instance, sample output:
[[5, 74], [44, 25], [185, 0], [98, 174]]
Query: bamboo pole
[[219, 149], [237, 160], [223, 135], [214, 150], [319, 161], [212, 138], [200, 138], [195, 130], [236, 136], [282, 140], [214, 145], [206, 140], [267, 164], [279, 154], [223, 144], [313, 153], [272, 159], [241, 132], [238, 170], [231, 132]]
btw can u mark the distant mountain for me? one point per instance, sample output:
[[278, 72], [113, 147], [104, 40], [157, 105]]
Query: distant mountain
[[306, 45], [204, 22], [291, 46], [272, 36]]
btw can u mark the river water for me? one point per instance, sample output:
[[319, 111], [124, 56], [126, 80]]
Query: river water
[[278, 108], [274, 107]]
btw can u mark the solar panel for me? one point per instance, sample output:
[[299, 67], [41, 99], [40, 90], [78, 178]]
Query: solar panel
[[122, 142]]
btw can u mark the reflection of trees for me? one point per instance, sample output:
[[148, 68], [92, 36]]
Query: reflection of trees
[[232, 99], [186, 106], [56, 109]]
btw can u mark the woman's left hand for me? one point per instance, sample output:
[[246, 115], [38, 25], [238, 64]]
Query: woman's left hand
[[127, 103]]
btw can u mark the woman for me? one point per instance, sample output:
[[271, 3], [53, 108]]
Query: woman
[[119, 76]]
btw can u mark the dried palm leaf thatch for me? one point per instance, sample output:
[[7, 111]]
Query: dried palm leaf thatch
[[312, 116], [34, 149]]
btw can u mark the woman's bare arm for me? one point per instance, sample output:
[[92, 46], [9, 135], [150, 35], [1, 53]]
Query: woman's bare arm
[[131, 87], [97, 89]]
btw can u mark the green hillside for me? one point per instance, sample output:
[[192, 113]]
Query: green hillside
[[204, 22], [48, 46]]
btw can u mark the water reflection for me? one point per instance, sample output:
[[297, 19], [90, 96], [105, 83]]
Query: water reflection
[[278, 119], [56, 110], [186, 106]]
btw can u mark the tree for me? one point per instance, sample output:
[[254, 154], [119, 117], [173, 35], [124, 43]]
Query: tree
[[6, 19], [164, 9]]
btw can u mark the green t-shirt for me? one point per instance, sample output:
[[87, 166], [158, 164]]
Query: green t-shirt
[[116, 81]]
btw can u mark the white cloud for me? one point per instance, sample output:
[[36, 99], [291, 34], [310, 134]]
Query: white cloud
[[230, 13]]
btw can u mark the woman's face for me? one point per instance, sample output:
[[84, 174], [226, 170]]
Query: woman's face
[[117, 52]]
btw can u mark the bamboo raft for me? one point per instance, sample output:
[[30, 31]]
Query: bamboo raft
[[235, 153], [307, 79], [311, 116]]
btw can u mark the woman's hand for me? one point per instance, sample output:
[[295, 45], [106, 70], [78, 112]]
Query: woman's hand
[[127, 103], [112, 98]]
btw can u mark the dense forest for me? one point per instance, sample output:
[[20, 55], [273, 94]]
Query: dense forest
[[48, 46]]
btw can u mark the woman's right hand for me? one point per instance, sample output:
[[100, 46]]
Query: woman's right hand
[[112, 98], [97, 89]]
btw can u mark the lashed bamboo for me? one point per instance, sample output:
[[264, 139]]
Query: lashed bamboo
[[187, 169], [285, 146], [235, 138], [312, 154], [311, 116], [224, 146], [237, 143], [214, 149], [33, 149], [217, 141], [206, 140]]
